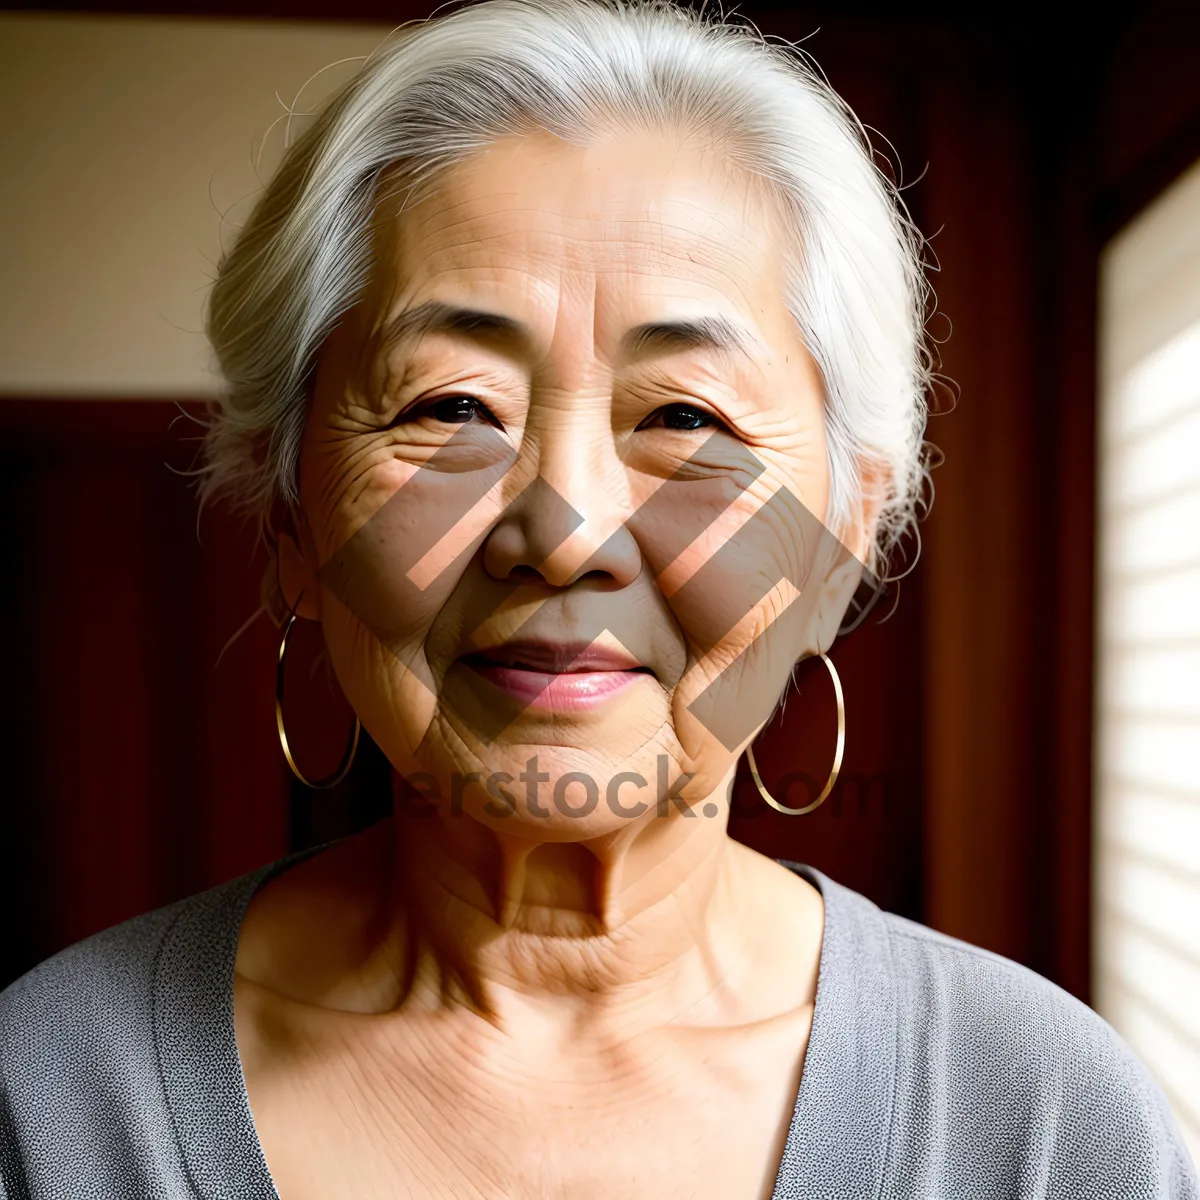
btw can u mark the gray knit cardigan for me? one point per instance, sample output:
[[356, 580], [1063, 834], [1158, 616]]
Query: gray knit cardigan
[[935, 1071]]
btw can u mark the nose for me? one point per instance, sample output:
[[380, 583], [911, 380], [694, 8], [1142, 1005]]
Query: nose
[[569, 523]]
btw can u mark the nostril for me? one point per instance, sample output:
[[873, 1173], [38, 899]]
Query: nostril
[[524, 574]]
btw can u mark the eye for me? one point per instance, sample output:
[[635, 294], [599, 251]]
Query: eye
[[450, 410], [684, 417]]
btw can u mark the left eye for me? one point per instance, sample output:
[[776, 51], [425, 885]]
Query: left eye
[[681, 417]]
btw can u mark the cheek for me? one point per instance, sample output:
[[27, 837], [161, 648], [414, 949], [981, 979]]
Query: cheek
[[736, 524], [392, 533], [739, 565], [371, 572], [387, 583]]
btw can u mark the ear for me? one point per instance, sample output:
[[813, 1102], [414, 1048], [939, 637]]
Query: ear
[[836, 591], [293, 567], [853, 555]]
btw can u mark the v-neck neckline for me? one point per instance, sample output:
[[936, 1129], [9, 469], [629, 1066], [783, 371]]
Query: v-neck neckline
[[837, 1139]]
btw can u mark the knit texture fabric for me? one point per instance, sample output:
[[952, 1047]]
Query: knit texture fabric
[[934, 1071]]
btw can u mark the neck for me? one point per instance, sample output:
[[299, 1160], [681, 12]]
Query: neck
[[654, 912], [667, 924]]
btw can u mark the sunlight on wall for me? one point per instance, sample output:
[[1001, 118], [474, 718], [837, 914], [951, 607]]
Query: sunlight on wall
[[123, 142], [1147, 887]]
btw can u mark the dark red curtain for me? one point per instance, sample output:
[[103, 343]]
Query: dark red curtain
[[137, 765]]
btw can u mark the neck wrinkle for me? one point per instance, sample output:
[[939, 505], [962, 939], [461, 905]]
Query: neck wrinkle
[[572, 931]]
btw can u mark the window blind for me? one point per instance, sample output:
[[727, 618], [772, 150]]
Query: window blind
[[1147, 849]]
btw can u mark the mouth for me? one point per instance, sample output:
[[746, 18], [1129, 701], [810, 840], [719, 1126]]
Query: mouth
[[562, 676]]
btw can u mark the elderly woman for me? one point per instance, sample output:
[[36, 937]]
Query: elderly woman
[[576, 372]]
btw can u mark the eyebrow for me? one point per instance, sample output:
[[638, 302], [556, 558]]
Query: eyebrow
[[671, 337], [435, 316], [646, 340]]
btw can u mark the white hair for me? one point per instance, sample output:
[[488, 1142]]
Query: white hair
[[435, 92]]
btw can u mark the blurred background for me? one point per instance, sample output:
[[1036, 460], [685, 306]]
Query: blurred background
[[1023, 730]]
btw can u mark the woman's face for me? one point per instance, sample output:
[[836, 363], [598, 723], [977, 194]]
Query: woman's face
[[563, 483]]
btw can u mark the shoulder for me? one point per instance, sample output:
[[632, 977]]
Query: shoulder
[[87, 994], [102, 988], [986, 1041], [80, 1081], [78, 1062], [101, 991]]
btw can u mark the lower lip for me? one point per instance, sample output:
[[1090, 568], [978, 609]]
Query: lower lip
[[566, 691]]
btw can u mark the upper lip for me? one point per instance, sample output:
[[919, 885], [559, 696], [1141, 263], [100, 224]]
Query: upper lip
[[557, 657]]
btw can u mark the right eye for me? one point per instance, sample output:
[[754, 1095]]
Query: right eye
[[450, 410]]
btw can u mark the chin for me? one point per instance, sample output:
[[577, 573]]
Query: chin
[[565, 789]]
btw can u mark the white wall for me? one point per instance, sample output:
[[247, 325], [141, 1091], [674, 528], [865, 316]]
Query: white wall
[[122, 142]]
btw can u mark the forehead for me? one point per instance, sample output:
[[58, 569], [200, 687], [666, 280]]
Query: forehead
[[630, 216]]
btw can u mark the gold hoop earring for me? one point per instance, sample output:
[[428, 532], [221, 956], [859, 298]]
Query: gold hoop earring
[[837, 754], [343, 767]]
